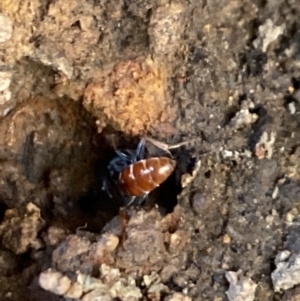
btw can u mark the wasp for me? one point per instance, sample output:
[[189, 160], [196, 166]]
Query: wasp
[[135, 176]]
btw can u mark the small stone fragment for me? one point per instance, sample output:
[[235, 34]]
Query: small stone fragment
[[104, 248], [120, 288], [55, 235], [287, 273], [49, 57], [187, 178], [5, 28], [5, 79], [75, 291], [264, 147], [226, 239], [97, 294], [289, 217], [155, 291], [150, 279], [241, 288], [109, 274], [178, 240], [199, 202], [244, 117], [111, 242], [292, 108], [89, 283], [145, 243], [282, 256], [126, 289], [275, 192], [66, 256], [54, 282], [268, 33], [18, 233]]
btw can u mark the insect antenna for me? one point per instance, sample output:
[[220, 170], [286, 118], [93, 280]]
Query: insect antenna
[[167, 147]]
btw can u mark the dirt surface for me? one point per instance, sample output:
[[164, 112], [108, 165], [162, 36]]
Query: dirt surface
[[79, 79]]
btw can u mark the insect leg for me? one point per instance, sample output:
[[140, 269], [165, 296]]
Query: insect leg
[[130, 201], [165, 147], [127, 157], [140, 151], [105, 187], [138, 199], [142, 199], [117, 164]]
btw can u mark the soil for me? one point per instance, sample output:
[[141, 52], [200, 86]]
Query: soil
[[80, 79]]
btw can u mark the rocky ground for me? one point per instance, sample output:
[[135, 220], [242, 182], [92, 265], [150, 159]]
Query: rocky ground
[[79, 79]]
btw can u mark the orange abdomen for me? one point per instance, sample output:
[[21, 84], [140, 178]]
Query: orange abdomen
[[143, 176]]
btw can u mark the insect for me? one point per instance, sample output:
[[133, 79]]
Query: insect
[[135, 176]]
